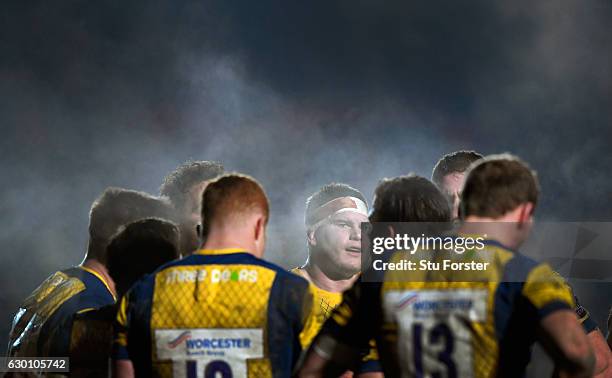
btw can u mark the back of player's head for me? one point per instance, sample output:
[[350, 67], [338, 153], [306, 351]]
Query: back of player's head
[[231, 198], [409, 198], [179, 182], [328, 193], [117, 207], [498, 184], [455, 162], [139, 248]]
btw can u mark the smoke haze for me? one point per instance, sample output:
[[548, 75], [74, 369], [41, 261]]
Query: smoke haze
[[297, 95]]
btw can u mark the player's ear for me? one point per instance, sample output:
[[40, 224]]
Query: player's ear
[[260, 228], [525, 212], [311, 237]]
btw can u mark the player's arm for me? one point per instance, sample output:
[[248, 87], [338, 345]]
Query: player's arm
[[337, 346], [564, 339], [123, 369], [559, 330], [603, 356], [596, 338]]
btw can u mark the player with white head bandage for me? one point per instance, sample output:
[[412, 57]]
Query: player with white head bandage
[[333, 231]]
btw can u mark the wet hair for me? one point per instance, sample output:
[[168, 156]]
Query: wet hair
[[179, 182], [140, 248], [409, 198], [230, 197], [455, 162], [498, 184], [330, 192]]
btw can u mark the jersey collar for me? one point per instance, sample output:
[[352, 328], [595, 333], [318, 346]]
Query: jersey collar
[[99, 276], [223, 251]]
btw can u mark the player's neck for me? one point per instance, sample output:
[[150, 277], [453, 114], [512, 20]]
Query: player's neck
[[321, 280], [100, 268], [501, 230], [226, 241]]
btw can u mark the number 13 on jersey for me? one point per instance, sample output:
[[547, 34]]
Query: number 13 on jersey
[[434, 329]]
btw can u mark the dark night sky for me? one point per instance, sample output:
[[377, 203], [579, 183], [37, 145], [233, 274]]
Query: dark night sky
[[298, 94]]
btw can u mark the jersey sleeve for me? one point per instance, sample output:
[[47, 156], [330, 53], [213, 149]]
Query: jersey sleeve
[[121, 330], [547, 291], [312, 325], [351, 323]]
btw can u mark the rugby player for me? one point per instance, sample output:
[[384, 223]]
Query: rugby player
[[136, 250], [454, 324], [333, 232], [333, 220], [184, 187], [43, 325], [449, 175], [222, 309]]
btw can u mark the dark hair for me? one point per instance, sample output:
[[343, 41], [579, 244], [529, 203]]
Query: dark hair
[[330, 192], [231, 196], [177, 184], [455, 162], [139, 248], [117, 207], [409, 198], [498, 184]]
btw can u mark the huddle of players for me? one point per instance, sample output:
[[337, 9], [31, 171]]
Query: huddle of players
[[223, 310]]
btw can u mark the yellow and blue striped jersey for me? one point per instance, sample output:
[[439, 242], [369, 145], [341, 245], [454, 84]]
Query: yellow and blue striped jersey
[[453, 323], [324, 302], [216, 311], [43, 325]]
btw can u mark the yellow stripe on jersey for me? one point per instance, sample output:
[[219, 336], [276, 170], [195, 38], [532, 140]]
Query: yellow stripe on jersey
[[63, 288], [121, 335], [544, 286], [324, 302], [223, 251]]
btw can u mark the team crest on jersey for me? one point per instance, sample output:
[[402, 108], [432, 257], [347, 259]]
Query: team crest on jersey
[[408, 299], [182, 337]]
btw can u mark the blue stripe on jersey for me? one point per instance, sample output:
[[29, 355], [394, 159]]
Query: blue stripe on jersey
[[509, 289], [140, 344], [514, 317], [225, 259], [288, 294]]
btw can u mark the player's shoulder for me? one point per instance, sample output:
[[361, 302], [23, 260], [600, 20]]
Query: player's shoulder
[[519, 267], [197, 260], [284, 275], [62, 282]]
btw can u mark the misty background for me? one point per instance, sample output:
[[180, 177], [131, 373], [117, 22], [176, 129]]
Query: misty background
[[106, 93]]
